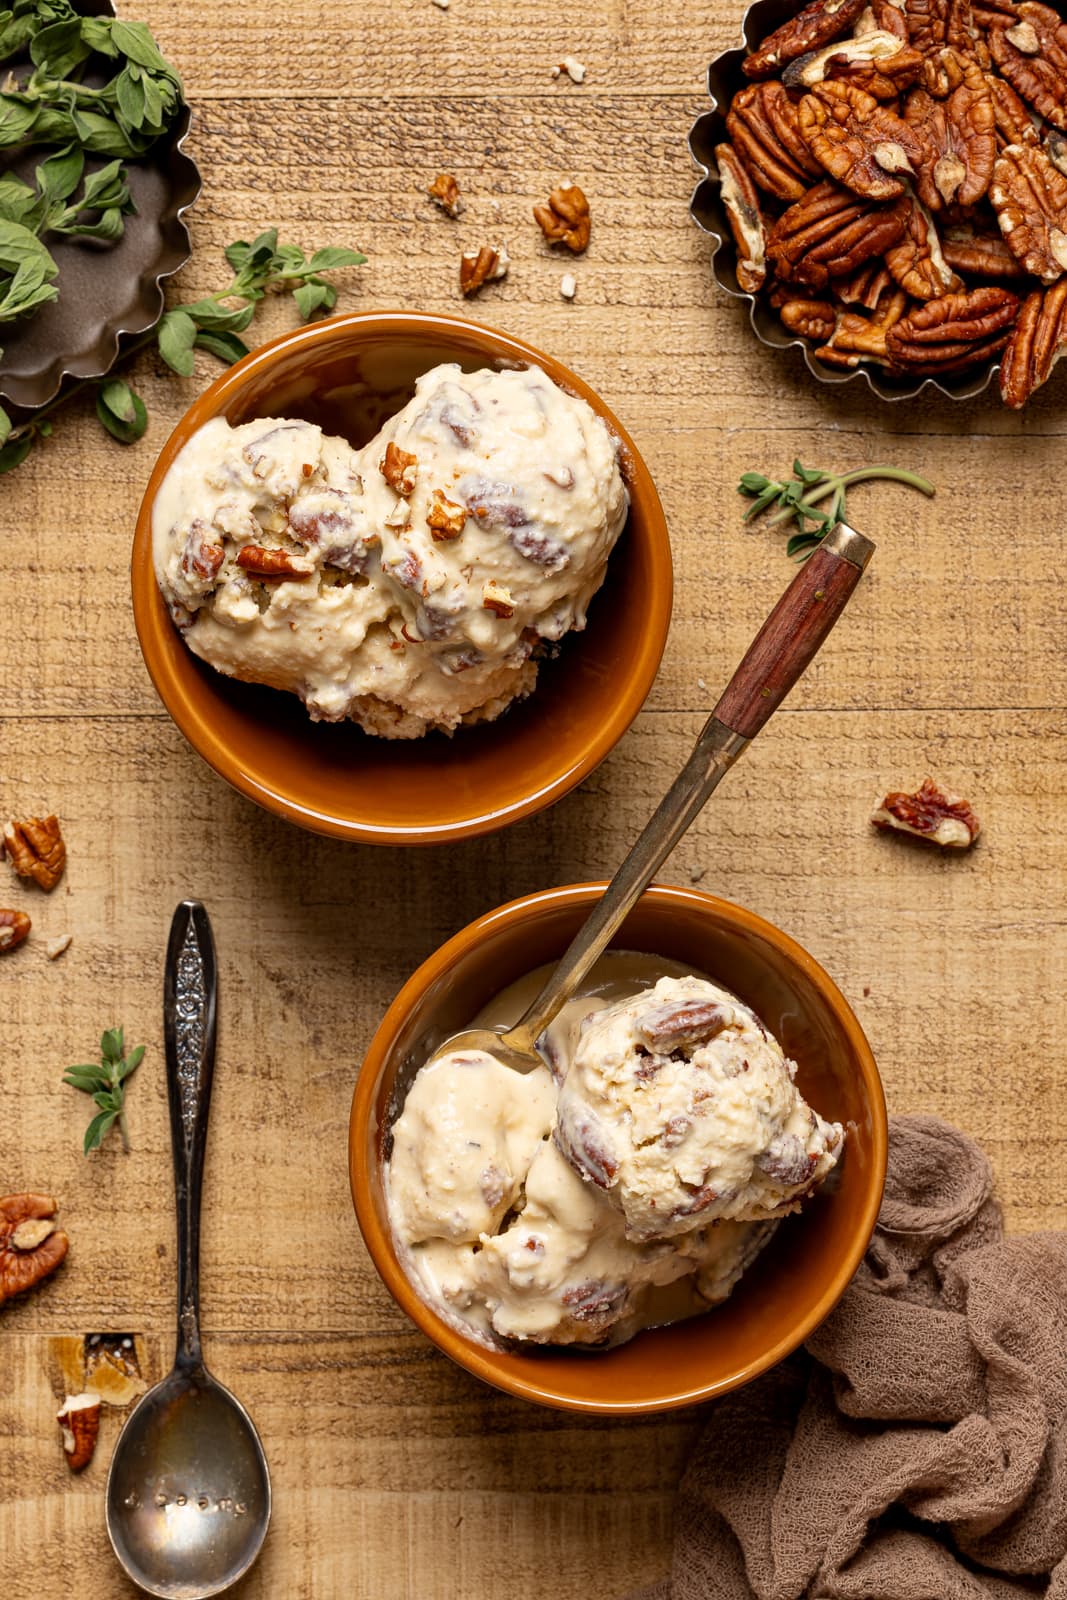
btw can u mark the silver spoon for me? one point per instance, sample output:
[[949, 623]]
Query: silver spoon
[[188, 1494], [776, 658]]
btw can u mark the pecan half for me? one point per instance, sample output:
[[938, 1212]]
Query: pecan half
[[762, 122], [931, 814], [444, 192], [884, 16], [856, 339], [399, 468], [80, 1420], [816, 25], [1033, 57], [677, 1027], [876, 62], [865, 287], [479, 267], [565, 219], [812, 319], [959, 133], [932, 24], [954, 332], [978, 252], [28, 1253], [860, 142], [741, 202], [14, 930], [1013, 123], [916, 263], [1029, 196], [1038, 340], [497, 597], [831, 233], [36, 850], [445, 519], [260, 562]]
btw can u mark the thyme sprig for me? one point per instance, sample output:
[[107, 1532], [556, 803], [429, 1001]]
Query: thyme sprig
[[106, 1082], [799, 498]]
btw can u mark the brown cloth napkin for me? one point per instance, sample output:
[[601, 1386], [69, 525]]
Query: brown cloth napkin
[[917, 1448]]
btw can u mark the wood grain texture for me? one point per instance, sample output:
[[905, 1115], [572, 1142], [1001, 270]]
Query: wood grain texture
[[395, 1474]]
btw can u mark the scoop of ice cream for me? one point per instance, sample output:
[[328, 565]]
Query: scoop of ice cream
[[681, 1108], [407, 585]]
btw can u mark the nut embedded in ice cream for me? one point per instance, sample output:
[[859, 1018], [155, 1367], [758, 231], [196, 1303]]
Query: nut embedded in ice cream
[[408, 585], [682, 1109]]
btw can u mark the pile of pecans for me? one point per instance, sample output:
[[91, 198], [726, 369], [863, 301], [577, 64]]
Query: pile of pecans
[[896, 184]]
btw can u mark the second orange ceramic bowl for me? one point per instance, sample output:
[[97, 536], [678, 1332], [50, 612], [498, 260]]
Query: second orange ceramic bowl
[[799, 1277], [349, 374]]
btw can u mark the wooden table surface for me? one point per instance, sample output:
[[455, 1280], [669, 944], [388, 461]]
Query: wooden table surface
[[395, 1474]]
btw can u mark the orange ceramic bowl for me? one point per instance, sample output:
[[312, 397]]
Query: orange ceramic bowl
[[798, 1278], [349, 374]]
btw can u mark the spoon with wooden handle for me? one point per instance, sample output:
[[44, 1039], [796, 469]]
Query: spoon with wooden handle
[[776, 658]]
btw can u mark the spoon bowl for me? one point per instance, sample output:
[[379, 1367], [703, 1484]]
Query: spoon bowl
[[188, 1495]]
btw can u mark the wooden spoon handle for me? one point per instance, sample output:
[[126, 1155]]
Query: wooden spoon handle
[[794, 631]]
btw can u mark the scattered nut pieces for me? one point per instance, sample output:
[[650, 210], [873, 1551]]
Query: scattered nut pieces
[[54, 948], [445, 519], [14, 928], [478, 267], [565, 219], [31, 1247], [497, 597], [442, 5], [573, 69], [568, 286], [79, 1417], [36, 850], [399, 468], [444, 192], [260, 562], [930, 814]]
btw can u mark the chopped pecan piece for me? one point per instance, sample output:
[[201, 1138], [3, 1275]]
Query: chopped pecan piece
[[444, 192], [812, 319], [1033, 57], [960, 134], [931, 814], [831, 233], [916, 263], [31, 1247], [497, 597], [260, 562], [877, 63], [80, 1420], [36, 850], [739, 197], [865, 287], [977, 252], [445, 519], [686, 1026], [884, 16], [816, 25], [1029, 197], [762, 122], [565, 219], [479, 267], [203, 554], [14, 930], [860, 142], [857, 338], [1038, 341], [399, 468], [954, 332]]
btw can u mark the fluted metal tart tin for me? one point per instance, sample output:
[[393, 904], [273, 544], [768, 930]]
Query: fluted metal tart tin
[[725, 78]]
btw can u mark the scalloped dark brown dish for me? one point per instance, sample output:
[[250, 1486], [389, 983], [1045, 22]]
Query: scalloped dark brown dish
[[106, 292], [725, 78]]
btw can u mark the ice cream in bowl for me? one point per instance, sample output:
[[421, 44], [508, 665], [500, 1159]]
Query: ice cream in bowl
[[663, 1209], [401, 578]]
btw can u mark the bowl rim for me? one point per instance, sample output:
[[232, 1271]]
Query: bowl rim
[[476, 1358], [645, 657]]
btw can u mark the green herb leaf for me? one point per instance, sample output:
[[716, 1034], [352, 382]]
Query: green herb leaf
[[335, 256], [311, 297], [121, 411], [227, 346], [5, 423], [14, 453], [94, 1133], [60, 174], [177, 335]]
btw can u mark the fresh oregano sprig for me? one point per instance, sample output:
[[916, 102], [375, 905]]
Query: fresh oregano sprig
[[213, 323], [799, 498], [106, 1083]]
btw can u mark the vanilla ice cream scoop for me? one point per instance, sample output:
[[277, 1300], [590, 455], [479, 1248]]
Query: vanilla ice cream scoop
[[681, 1109], [409, 585]]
